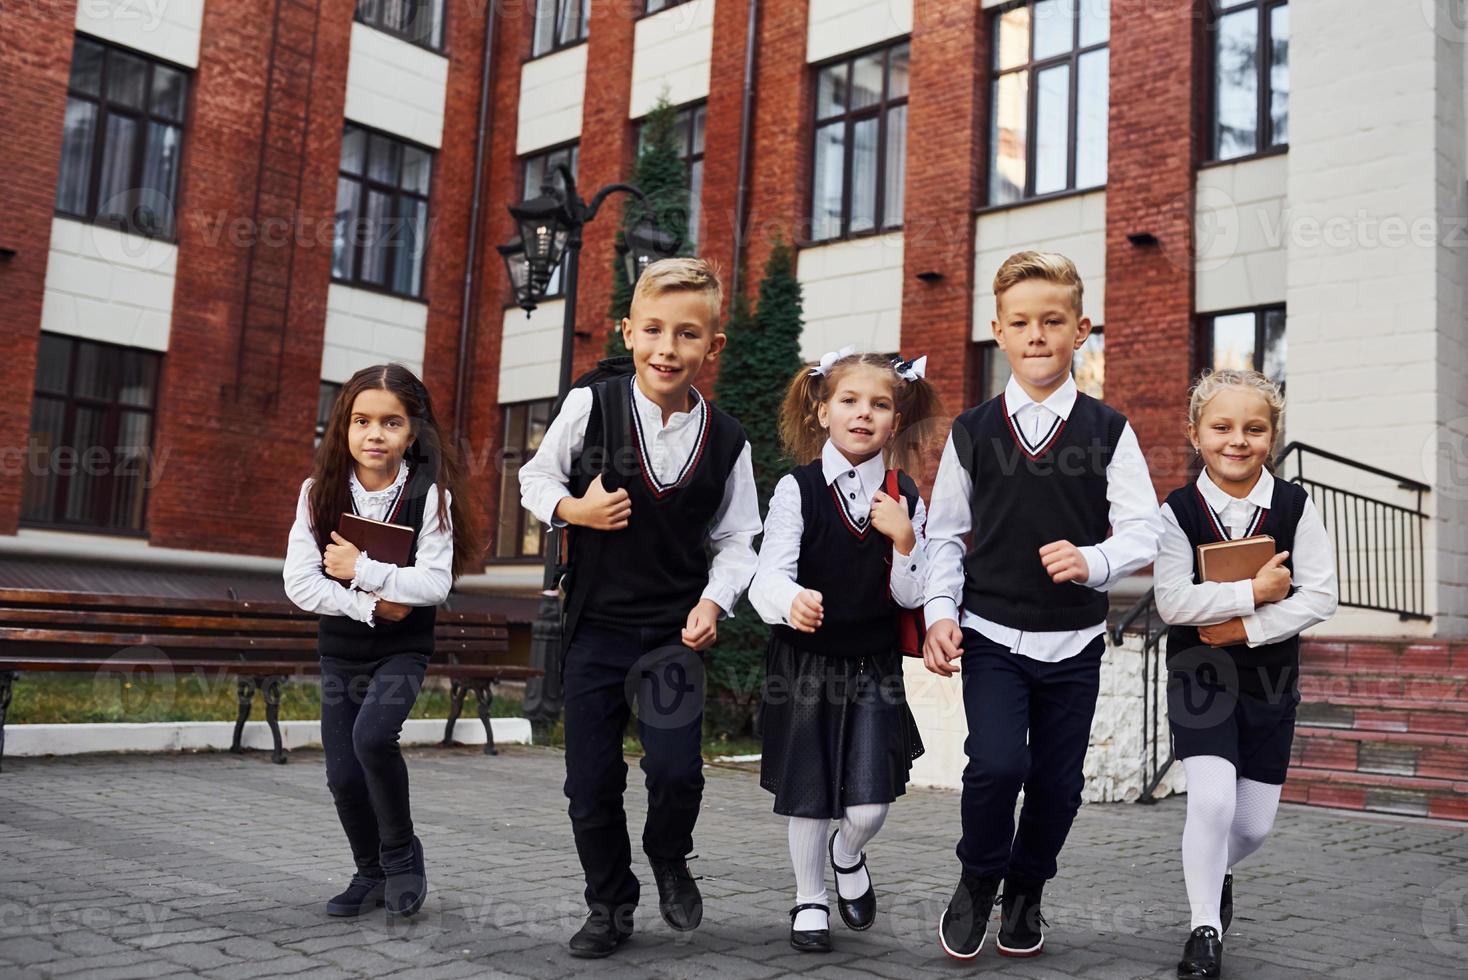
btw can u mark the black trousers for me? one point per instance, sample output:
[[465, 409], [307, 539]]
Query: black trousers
[[363, 706], [1029, 725], [607, 669]]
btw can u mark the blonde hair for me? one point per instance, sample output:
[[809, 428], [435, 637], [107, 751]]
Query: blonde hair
[[1212, 382], [681, 275], [917, 402], [1049, 266]]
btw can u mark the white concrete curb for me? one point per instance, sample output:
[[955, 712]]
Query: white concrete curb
[[193, 736]]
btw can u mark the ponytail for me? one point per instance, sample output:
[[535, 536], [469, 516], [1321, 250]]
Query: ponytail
[[801, 434]]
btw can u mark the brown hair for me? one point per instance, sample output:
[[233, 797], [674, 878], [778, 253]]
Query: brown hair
[[682, 275], [1049, 266], [1212, 382], [917, 402], [330, 492]]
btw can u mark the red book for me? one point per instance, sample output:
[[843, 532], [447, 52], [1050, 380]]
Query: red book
[[392, 543]]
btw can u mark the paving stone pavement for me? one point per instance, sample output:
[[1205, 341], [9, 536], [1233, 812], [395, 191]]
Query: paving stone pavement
[[217, 866]]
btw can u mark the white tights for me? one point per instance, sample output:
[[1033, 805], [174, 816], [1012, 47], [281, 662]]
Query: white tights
[[859, 824], [1228, 818]]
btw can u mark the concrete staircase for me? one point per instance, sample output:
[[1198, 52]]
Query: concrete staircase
[[1383, 726]]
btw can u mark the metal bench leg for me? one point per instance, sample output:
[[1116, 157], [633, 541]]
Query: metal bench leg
[[456, 707], [245, 692], [7, 678], [483, 694], [270, 688]]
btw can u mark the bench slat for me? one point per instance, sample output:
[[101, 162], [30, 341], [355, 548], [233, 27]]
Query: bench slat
[[436, 668]]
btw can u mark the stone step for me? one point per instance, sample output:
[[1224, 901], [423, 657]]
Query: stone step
[[1384, 753], [1386, 655], [1384, 714], [1414, 796]]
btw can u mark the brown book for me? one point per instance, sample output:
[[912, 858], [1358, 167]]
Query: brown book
[[392, 543], [1234, 561]]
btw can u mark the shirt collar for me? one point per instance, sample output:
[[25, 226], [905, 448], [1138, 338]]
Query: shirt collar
[[1061, 400], [834, 464], [362, 492], [1262, 494], [652, 412]]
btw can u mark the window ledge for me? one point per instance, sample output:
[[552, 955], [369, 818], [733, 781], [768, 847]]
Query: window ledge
[[380, 290], [1273, 151], [547, 54], [801, 243], [1039, 199]]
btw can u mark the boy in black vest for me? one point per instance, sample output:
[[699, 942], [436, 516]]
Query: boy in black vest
[[1036, 476], [651, 480]]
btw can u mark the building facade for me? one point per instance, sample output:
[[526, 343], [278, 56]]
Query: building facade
[[220, 211]]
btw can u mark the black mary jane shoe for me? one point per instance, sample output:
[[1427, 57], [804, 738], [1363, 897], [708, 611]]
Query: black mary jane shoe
[[1226, 902], [810, 940], [860, 912], [598, 937], [1203, 954], [363, 894]]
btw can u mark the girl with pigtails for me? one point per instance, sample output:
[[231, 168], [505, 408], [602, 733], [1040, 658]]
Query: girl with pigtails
[[839, 738]]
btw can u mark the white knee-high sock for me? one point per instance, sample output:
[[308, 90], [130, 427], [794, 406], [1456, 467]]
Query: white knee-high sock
[[1211, 797], [859, 824], [1253, 818], [808, 858]]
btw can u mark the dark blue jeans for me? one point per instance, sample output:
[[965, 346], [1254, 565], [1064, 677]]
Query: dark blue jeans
[[363, 706], [1029, 725], [608, 668]]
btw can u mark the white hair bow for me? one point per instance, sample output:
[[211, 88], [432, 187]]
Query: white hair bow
[[829, 359], [911, 370]]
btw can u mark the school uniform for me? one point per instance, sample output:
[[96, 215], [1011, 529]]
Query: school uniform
[[1238, 702], [1018, 475], [836, 726], [628, 597], [372, 670]]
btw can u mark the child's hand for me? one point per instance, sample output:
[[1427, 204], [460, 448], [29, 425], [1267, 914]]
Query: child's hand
[[943, 645], [1064, 562], [702, 628], [392, 611], [889, 516], [340, 558], [599, 508], [1225, 634], [806, 611], [1272, 582]]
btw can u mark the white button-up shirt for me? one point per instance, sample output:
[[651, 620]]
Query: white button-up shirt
[[425, 583], [1135, 527], [1182, 603], [668, 448], [775, 588]]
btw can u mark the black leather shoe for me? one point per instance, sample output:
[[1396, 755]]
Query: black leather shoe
[[598, 937], [810, 940], [1203, 955], [1226, 902], [965, 921], [363, 894], [678, 897], [861, 912], [1021, 926], [407, 883]]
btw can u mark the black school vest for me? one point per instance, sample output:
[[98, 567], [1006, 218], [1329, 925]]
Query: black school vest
[[1261, 668], [1024, 499], [652, 572], [849, 564], [347, 639]]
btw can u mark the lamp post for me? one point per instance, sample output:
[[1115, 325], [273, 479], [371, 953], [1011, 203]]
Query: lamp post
[[549, 227]]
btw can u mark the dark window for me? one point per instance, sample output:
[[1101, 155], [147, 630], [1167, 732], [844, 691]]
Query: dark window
[[1087, 365], [559, 24], [520, 533], [860, 143], [534, 170], [1246, 340], [91, 436], [122, 139], [653, 6], [1251, 77], [381, 212], [688, 130], [325, 401], [418, 21], [1049, 99]]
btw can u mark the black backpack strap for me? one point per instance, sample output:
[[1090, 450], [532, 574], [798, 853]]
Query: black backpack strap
[[908, 489]]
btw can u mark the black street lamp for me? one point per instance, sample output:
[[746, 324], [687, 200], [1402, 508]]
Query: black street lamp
[[549, 227]]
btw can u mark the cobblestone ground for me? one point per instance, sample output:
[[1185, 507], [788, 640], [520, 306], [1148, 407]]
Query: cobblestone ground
[[217, 866]]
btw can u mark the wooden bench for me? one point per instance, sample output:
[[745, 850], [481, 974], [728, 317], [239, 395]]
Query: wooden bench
[[261, 645]]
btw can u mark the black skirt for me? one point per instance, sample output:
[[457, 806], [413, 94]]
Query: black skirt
[[837, 731]]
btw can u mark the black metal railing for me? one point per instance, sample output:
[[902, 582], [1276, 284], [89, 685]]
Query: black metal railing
[[1379, 556], [1142, 619]]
